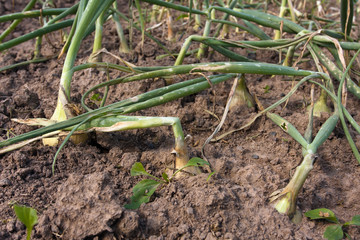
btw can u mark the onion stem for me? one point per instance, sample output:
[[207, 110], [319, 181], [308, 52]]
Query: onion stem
[[320, 105], [242, 96], [286, 199]]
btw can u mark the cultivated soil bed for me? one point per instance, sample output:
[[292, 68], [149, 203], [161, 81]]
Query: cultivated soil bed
[[92, 182]]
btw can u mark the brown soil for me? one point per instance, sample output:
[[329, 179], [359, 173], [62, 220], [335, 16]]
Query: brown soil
[[92, 182]]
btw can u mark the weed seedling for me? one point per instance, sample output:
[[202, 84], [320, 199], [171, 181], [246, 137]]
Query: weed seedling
[[27, 216], [267, 89], [333, 232], [143, 191]]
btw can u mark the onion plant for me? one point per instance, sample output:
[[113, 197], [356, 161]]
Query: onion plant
[[285, 199], [91, 12], [95, 56], [124, 47], [16, 22], [274, 22], [95, 119], [114, 123], [347, 13], [110, 118], [86, 14], [50, 26]]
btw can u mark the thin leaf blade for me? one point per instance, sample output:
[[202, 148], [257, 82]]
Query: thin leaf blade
[[209, 176]]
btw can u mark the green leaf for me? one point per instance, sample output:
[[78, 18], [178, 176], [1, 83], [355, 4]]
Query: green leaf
[[197, 162], [27, 216], [142, 193], [267, 89], [347, 236], [322, 213], [354, 221], [138, 169], [208, 178], [334, 232], [165, 177], [96, 97], [185, 15], [193, 162]]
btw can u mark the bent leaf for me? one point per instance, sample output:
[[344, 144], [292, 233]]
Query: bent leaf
[[322, 213], [142, 193], [208, 178]]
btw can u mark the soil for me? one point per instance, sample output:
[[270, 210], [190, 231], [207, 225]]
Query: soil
[[92, 182]]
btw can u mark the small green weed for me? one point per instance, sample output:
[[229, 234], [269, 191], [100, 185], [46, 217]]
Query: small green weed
[[27, 216], [267, 89], [96, 97], [146, 188], [333, 232]]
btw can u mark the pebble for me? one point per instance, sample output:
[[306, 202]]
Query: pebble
[[5, 182], [190, 210], [10, 226], [210, 236], [254, 156], [229, 236], [19, 226]]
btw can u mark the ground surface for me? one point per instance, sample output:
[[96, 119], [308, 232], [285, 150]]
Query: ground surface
[[92, 182]]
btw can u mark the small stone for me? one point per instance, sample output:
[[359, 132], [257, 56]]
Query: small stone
[[25, 97], [252, 55], [128, 159], [182, 229], [273, 134], [5, 182], [128, 225], [210, 236], [153, 237], [3, 118], [190, 210], [155, 206], [48, 173], [229, 236], [275, 161], [254, 156], [10, 226], [20, 226]]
